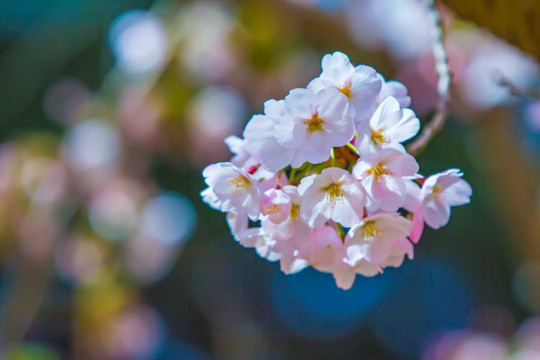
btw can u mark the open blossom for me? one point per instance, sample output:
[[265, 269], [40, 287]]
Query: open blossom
[[388, 127], [317, 123], [326, 248], [230, 189], [384, 175], [394, 89], [401, 247], [333, 195], [259, 135], [345, 273], [439, 193], [375, 243], [255, 237], [359, 84], [276, 205], [373, 239], [325, 180]]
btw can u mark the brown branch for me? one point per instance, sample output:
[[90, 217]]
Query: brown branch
[[517, 90], [430, 130], [443, 73]]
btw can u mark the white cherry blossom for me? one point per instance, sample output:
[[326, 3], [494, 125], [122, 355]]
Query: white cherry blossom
[[401, 247], [276, 204], [317, 123], [373, 239], [359, 84], [388, 127], [384, 175], [230, 189], [345, 273], [395, 89], [440, 192], [333, 195], [260, 135]]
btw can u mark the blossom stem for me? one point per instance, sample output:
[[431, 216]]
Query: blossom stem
[[340, 230], [291, 176], [333, 157], [352, 147]]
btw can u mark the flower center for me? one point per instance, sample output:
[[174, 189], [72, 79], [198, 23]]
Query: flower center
[[346, 90], [295, 210], [370, 231], [437, 192], [377, 137], [378, 171], [239, 184], [273, 208], [314, 124], [334, 191]]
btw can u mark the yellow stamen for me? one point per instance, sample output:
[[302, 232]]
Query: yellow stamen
[[295, 210], [370, 231], [314, 124], [274, 207], [378, 171], [377, 137], [437, 192], [334, 191], [239, 184], [346, 90]]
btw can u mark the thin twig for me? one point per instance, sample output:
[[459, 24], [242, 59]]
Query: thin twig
[[515, 89], [443, 85]]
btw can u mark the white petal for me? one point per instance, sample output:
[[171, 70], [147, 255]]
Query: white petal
[[386, 115], [332, 105], [458, 194], [274, 157], [292, 265], [299, 103], [406, 128], [436, 214], [345, 278], [336, 67]]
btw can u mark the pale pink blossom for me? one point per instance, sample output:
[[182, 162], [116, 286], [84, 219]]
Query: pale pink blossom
[[292, 235], [388, 127], [359, 84], [317, 123], [440, 192], [254, 237], [373, 239], [230, 189], [402, 247], [276, 204], [384, 175], [332, 195], [322, 249], [326, 249], [247, 157], [260, 135], [293, 226], [244, 154], [346, 272], [395, 89]]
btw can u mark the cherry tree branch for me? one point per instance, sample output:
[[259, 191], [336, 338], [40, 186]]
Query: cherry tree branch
[[515, 89], [443, 84]]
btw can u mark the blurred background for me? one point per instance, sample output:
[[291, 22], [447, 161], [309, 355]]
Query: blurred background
[[109, 110]]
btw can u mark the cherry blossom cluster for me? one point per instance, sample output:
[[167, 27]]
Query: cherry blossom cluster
[[321, 178]]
